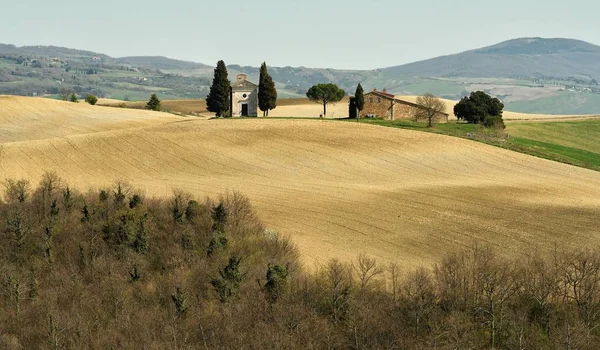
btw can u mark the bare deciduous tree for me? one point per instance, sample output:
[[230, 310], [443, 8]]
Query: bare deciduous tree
[[16, 190], [431, 107], [338, 283], [367, 269], [582, 276], [421, 299], [394, 270]]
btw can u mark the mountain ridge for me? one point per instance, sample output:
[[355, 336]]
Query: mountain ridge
[[515, 46]]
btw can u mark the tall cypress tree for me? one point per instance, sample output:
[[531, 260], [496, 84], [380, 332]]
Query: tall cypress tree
[[267, 94], [272, 101], [217, 100], [359, 99]]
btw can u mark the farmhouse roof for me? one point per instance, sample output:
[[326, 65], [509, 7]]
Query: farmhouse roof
[[389, 96], [408, 103], [382, 94]]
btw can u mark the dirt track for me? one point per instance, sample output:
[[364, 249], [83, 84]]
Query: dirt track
[[338, 188]]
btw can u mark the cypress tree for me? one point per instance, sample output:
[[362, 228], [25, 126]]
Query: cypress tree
[[359, 99], [262, 91], [272, 101], [267, 94], [217, 100]]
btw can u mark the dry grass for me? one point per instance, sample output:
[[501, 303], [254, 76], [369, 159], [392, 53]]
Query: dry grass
[[296, 107], [24, 119], [186, 107], [338, 188]]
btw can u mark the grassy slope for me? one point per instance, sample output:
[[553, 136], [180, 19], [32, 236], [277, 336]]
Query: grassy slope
[[565, 102], [581, 134], [571, 142]]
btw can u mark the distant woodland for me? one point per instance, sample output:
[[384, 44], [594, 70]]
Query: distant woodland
[[118, 268]]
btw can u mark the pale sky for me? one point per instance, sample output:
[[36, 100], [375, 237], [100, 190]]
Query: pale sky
[[312, 33]]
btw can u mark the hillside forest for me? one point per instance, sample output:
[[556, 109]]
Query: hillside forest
[[116, 268]]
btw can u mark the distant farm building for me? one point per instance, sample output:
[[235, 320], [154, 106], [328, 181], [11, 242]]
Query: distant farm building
[[384, 105], [244, 98]]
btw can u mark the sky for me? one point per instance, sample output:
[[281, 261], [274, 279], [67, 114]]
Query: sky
[[311, 33]]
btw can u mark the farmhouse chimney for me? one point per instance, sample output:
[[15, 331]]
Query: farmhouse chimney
[[241, 77]]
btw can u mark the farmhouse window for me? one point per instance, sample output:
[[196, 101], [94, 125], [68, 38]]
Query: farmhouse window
[[370, 99], [378, 99]]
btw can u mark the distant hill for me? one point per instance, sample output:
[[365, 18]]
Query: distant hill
[[49, 51], [531, 75], [159, 62], [525, 57]]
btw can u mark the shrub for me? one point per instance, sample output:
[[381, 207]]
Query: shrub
[[495, 122], [91, 99]]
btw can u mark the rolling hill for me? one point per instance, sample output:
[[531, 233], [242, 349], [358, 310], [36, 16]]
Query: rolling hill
[[337, 188]]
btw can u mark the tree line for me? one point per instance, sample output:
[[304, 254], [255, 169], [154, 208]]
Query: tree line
[[115, 268]]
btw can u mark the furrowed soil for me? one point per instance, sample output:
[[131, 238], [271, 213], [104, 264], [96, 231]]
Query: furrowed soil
[[338, 189]]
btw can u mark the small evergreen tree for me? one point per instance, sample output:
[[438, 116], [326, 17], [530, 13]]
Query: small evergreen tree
[[134, 274], [15, 225], [67, 199], [217, 100], [135, 201], [73, 98], [219, 216], [228, 283], [276, 282], [192, 211], [267, 94], [119, 196], [153, 104], [140, 244], [180, 301]]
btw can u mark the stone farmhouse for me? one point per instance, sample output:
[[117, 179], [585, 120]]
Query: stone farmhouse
[[385, 105], [243, 98]]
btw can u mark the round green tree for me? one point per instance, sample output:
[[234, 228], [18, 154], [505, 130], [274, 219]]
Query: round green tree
[[325, 94], [477, 107]]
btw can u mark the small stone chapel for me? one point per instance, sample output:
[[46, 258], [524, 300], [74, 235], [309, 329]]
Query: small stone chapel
[[244, 97]]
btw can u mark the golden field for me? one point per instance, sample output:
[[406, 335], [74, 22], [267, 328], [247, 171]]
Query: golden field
[[338, 189]]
